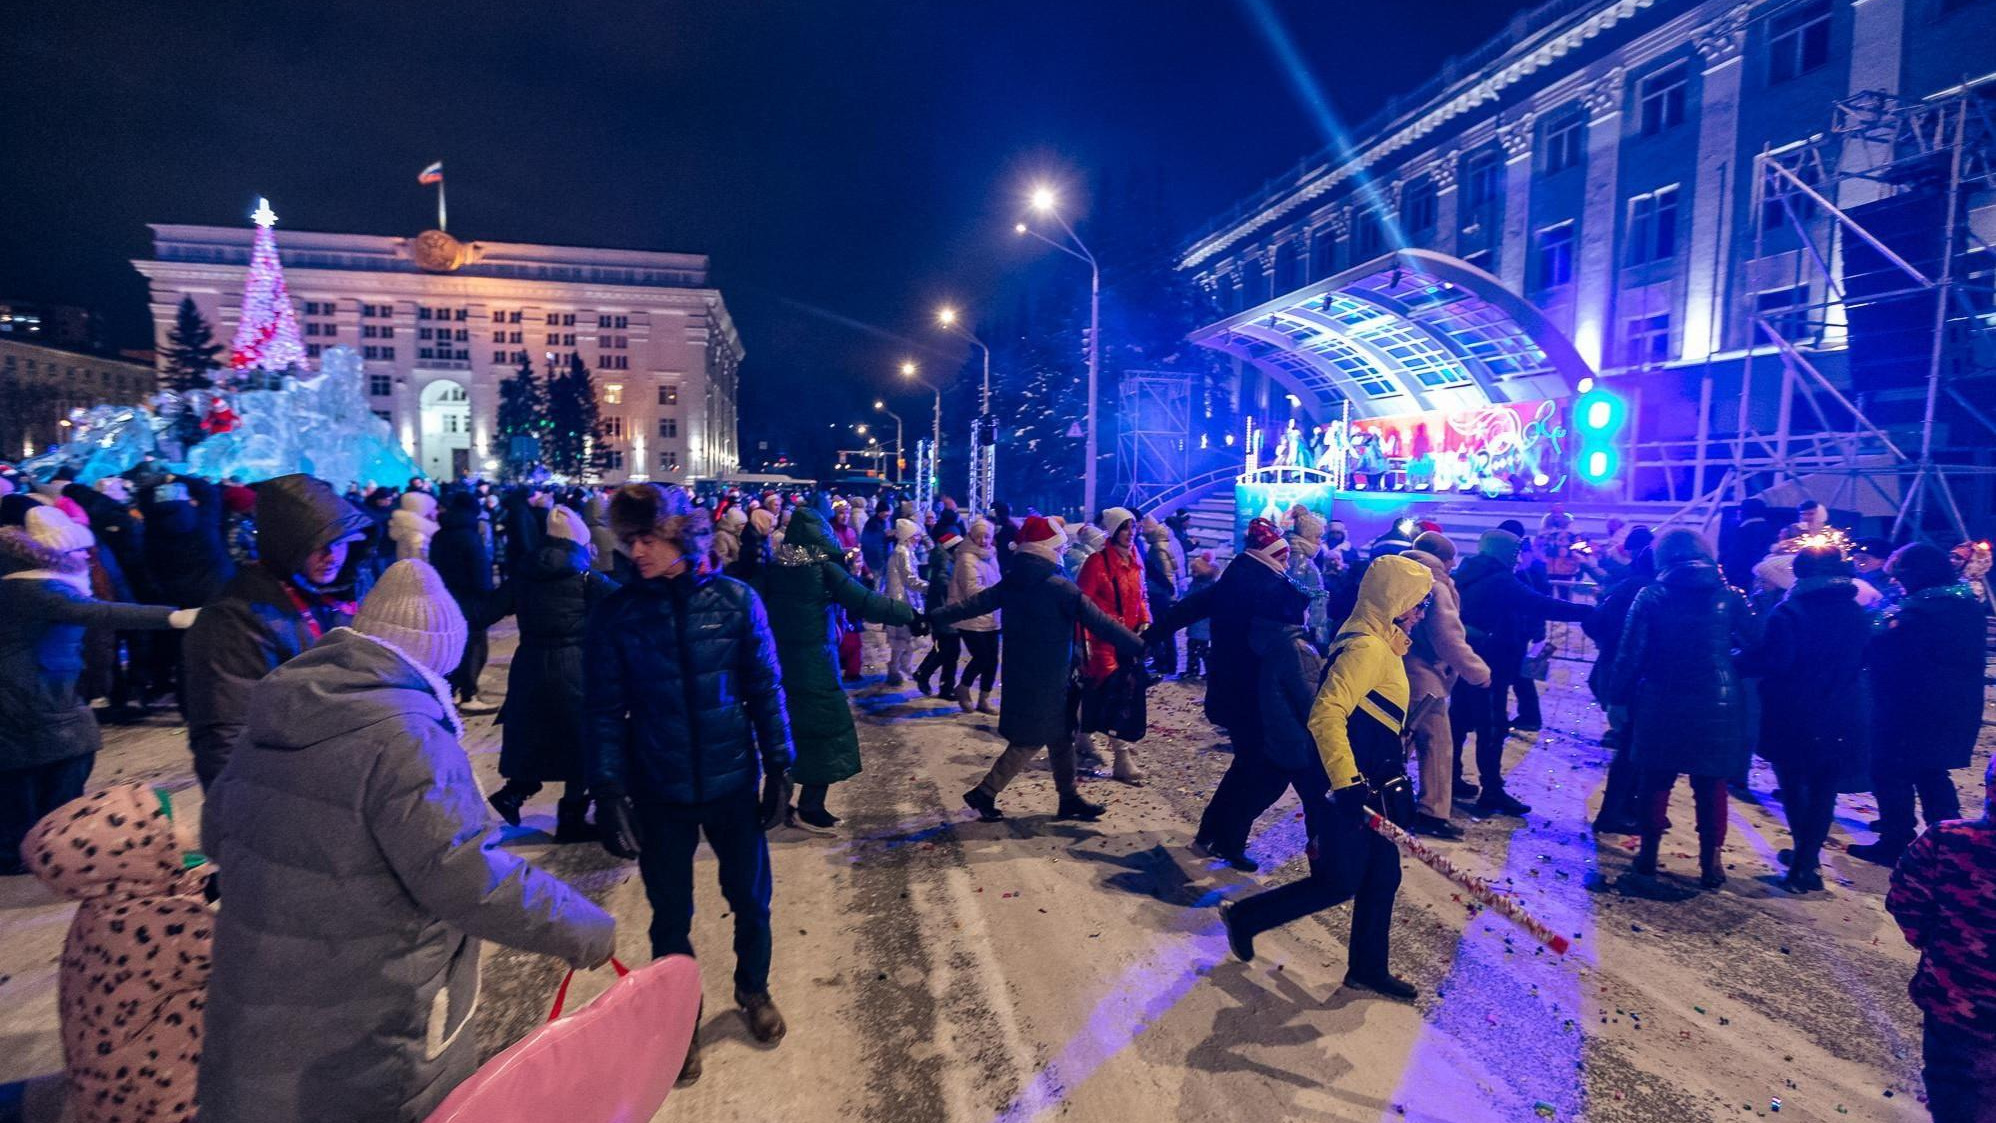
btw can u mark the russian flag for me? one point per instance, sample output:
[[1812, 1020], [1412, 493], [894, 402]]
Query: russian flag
[[432, 174]]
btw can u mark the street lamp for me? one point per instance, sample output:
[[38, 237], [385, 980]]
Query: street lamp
[[909, 371], [900, 440], [1043, 202], [953, 324]]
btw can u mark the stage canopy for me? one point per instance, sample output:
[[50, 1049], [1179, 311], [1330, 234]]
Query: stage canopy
[[1409, 332]]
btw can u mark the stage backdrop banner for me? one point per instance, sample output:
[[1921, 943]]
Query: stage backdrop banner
[[1273, 501], [1504, 448]]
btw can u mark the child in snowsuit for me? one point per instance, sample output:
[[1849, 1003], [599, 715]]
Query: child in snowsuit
[[135, 963], [903, 583]]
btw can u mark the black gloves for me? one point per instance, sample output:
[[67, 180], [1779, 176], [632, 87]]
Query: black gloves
[[620, 830], [775, 799], [919, 626], [1349, 801]]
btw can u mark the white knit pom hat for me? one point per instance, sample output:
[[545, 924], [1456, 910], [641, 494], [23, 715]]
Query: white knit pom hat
[[410, 608], [49, 527]]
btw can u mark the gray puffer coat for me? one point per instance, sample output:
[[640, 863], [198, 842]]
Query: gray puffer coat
[[360, 875]]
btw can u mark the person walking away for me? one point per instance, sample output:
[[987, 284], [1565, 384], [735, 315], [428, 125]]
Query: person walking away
[[48, 737], [413, 525], [302, 586], [1161, 570], [1041, 610], [1499, 614], [686, 718], [541, 722], [131, 1039], [1675, 670], [1815, 712], [1439, 656], [1944, 897], [902, 585], [1619, 813], [1306, 540], [1355, 721], [976, 570], [1926, 670], [361, 877], [464, 561], [1257, 576], [1005, 533], [187, 559], [809, 595], [1115, 580], [1199, 633], [947, 647]]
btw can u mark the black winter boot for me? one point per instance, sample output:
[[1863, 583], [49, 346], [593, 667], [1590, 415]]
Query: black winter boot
[[571, 822], [1072, 806], [506, 801], [1646, 857]]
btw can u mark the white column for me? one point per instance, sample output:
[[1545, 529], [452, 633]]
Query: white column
[[1447, 200], [1515, 137], [1595, 272], [1716, 184]]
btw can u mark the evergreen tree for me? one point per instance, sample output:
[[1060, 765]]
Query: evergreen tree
[[575, 445], [522, 422], [190, 350]]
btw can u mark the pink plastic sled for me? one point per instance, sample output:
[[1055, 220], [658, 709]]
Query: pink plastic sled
[[613, 1061]]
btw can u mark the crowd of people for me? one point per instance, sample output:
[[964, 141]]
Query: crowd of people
[[683, 668]]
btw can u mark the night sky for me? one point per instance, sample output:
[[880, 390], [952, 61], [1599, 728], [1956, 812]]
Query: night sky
[[846, 164]]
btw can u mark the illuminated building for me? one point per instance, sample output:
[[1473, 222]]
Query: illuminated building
[[441, 323], [1590, 183], [39, 385]]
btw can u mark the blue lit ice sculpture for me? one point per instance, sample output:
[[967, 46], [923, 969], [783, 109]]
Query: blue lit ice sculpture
[[322, 425]]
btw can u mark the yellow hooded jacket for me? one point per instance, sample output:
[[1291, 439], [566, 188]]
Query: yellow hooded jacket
[[1367, 681]]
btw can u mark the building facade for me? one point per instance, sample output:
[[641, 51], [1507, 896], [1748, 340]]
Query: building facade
[[1602, 160], [39, 385], [441, 323], [52, 325]]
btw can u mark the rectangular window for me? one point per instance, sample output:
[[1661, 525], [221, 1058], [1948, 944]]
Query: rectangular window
[[1779, 195], [1370, 236], [1798, 41], [379, 385], [613, 394], [1418, 204], [498, 357], [1653, 226], [613, 459], [1787, 312], [422, 313], [498, 317], [554, 319], [1646, 343], [498, 337], [668, 428], [613, 426], [554, 338], [1565, 140], [1661, 103], [311, 329], [463, 335], [367, 331], [668, 395], [426, 352], [311, 350], [463, 314], [1323, 252], [568, 339], [668, 460], [1482, 180], [1555, 264], [568, 321]]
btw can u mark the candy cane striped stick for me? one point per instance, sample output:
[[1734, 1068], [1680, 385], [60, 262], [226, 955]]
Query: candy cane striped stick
[[1470, 883]]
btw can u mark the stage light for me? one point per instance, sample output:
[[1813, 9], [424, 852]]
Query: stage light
[[1599, 414], [1598, 418]]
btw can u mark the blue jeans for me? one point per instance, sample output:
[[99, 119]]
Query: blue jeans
[[668, 834]]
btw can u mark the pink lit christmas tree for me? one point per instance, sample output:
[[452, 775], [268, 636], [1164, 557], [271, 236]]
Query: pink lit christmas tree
[[267, 335]]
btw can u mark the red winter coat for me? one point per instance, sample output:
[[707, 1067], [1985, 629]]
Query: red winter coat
[[1114, 579]]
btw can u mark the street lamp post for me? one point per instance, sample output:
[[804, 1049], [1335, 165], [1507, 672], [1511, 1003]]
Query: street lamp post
[[900, 441], [983, 444], [1043, 203], [947, 317], [908, 371]]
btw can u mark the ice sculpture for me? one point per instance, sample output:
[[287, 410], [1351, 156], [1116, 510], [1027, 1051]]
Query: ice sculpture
[[322, 425]]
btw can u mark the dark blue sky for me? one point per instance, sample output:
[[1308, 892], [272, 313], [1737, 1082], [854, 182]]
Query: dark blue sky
[[863, 158]]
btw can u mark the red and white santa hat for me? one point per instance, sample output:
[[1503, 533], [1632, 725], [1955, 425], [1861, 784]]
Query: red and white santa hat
[[1266, 545], [947, 538], [1040, 537]]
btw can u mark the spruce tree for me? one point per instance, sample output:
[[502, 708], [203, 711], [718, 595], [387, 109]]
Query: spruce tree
[[522, 422], [190, 350], [575, 446]]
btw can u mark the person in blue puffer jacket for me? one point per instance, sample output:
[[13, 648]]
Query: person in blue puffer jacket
[[685, 717]]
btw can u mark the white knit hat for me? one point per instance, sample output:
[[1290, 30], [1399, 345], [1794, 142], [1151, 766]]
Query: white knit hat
[[566, 526], [1114, 518], [410, 608], [906, 530], [420, 502], [49, 527]]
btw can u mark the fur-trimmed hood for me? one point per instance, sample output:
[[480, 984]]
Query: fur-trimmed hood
[[24, 559]]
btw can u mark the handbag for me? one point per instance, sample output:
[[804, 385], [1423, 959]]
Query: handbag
[[1537, 664], [1117, 705], [613, 1061]]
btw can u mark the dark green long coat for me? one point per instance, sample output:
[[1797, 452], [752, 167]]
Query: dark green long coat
[[802, 584]]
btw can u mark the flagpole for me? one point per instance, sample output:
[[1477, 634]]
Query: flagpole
[[440, 204]]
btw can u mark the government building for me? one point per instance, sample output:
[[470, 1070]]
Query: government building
[[441, 323], [1639, 191]]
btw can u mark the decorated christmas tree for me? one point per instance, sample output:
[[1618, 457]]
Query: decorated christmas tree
[[267, 337]]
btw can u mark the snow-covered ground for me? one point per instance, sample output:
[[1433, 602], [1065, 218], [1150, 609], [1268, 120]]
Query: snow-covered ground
[[935, 968]]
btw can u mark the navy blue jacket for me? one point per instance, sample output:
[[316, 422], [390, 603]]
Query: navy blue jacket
[[685, 696]]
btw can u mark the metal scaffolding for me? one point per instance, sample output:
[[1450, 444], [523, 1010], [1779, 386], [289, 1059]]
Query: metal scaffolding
[[1152, 457], [1904, 450]]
